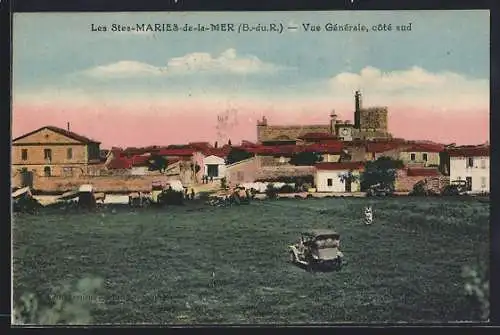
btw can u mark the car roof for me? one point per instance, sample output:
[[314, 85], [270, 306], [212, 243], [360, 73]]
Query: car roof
[[320, 232]]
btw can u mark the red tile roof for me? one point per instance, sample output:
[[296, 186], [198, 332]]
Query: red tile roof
[[219, 152], [378, 147], [63, 132], [119, 163], [422, 172], [200, 145], [247, 144], [469, 151], [333, 148], [339, 166], [176, 152], [140, 160], [424, 147]]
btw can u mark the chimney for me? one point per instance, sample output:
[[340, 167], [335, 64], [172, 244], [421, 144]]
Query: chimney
[[68, 126]]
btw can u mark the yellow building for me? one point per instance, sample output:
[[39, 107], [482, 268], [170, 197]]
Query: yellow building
[[52, 151], [422, 154]]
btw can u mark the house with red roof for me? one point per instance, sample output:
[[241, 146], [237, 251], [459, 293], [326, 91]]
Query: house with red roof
[[472, 165], [329, 176], [421, 154], [281, 154], [418, 154], [52, 151]]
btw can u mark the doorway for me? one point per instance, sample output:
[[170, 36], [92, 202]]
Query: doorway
[[26, 178], [213, 170]]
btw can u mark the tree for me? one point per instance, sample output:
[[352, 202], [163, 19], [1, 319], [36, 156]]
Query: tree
[[229, 142], [306, 158], [157, 163], [349, 177], [382, 171], [216, 144], [237, 155]]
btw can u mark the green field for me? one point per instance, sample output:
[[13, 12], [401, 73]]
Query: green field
[[157, 265]]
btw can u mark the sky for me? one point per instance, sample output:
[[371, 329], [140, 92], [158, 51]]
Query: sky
[[139, 88]]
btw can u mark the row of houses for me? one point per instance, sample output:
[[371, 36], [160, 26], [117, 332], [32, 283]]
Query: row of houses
[[52, 151]]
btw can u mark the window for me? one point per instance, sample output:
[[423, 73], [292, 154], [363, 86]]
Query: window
[[68, 172], [24, 154], [483, 163], [47, 153], [46, 171], [470, 162], [329, 181], [424, 157], [468, 183], [412, 157], [483, 182], [69, 153]]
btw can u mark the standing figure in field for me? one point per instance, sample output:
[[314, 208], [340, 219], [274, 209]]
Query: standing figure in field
[[368, 212]]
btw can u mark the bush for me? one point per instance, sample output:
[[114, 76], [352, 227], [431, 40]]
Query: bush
[[477, 288], [419, 189], [287, 189], [271, 191], [67, 305], [305, 187], [171, 197], [223, 183]]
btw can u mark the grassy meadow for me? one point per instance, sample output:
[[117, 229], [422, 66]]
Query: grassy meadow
[[200, 264]]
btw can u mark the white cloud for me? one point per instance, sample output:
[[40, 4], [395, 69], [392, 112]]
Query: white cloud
[[123, 68], [227, 62], [443, 89]]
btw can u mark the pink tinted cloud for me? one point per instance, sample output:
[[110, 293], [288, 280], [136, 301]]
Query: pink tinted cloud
[[142, 124]]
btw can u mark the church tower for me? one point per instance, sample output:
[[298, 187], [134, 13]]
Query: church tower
[[357, 109], [333, 122]]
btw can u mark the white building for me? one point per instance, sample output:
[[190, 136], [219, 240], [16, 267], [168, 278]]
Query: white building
[[328, 176], [471, 164], [214, 166]]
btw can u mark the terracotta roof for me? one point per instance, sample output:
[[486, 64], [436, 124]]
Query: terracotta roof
[[200, 145], [219, 152], [61, 131], [119, 163], [176, 152], [424, 147], [423, 172], [378, 147], [139, 160], [469, 151], [332, 148], [246, 144], [339, 166]]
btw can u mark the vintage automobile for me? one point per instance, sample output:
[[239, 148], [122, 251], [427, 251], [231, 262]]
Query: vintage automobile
[[379, 190], [456, 187], [318, 248]]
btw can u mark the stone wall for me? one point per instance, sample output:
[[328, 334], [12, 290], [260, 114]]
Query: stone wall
[[374, 119], [107, 184], [405, 183], [269, 133], [284, 171]]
